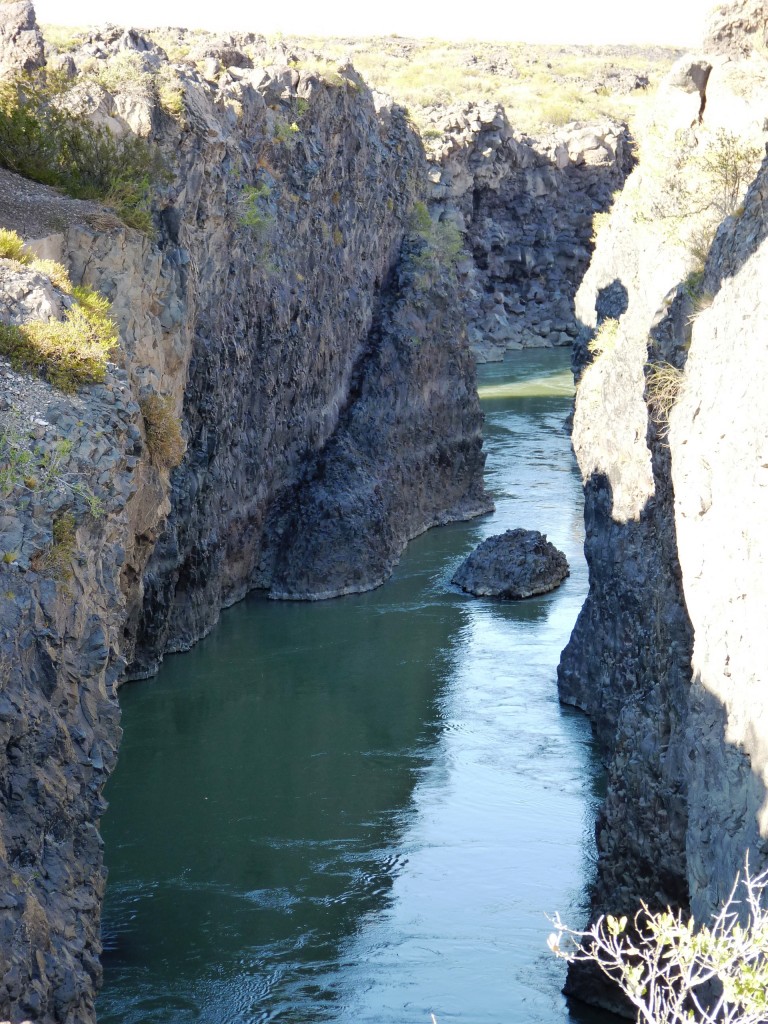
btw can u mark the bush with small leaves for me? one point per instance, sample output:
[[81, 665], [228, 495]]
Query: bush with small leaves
[[57, 560], [441, 241], [40, 138], [675, 972]]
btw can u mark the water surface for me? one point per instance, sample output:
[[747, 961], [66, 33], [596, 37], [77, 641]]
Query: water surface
[[358, 811]]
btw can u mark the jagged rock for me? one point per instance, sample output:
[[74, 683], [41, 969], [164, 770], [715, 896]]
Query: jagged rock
[[21, 42], [513, 565], [525, 207], [735, 29], [619, 80], [27, 295]]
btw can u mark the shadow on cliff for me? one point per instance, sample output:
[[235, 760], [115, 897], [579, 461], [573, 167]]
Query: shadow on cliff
[[628, 665]]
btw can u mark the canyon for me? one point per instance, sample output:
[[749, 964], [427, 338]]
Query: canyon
[[306, 306]]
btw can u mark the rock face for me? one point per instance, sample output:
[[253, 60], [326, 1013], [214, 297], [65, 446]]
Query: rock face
[[312, 348], [664, 657], [515, 564], [526, 208], [21, 44]]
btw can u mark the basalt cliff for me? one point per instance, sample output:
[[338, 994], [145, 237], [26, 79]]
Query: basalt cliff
[[298, 313], [311, 349], [669, 431]]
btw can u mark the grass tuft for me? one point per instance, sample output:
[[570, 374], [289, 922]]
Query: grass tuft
[[162, 428], [57, 560], [663, 388], [605, 337]]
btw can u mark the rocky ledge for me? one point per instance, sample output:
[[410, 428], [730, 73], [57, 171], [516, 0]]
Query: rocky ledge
[[513, 565]]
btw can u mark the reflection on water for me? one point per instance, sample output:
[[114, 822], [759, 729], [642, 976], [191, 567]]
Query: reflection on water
[[360, 810]]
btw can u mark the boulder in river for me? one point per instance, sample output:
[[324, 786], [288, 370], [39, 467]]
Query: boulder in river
[[514, 565]]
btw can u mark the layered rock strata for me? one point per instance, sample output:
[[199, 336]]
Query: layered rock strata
[[312, 348], [668, 432]]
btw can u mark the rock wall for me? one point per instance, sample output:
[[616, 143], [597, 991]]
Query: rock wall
[[525, 207], [312, 348], [668, 432]]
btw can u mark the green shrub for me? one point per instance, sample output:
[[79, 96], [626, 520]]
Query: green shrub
[[162, 428], [170, 92], [255, 214], [730, 162], [55, 271], [675, 971], [441, 241], [42, 140], [68, 353], [12, 247], [286, 132]]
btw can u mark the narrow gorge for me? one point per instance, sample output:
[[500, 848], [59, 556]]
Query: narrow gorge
[[293, 399]]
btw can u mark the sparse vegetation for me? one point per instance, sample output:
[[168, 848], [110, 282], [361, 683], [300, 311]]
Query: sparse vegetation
[[68, 353], [675, 972], [730, 162], [170, 92], [12, 247], [256, 214], [697, 177], [599, 221], [162, 429], [663, 387], [93, 504], [57, 560], [61, 38], [539, 86], [605, 337], [42, 139], [701, 302], [285, 132], [441, 241]]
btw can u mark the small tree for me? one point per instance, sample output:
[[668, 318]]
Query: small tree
[[675, 973]]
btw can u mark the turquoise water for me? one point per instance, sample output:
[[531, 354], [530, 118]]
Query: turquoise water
[[360, 810]]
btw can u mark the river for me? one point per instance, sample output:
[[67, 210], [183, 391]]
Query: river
[[359, 811]]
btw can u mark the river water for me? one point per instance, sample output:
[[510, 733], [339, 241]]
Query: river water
[[359, 811]]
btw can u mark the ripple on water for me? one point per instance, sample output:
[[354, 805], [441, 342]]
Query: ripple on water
[[359, 811]]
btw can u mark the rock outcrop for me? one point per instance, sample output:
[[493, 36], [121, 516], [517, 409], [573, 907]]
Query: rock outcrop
[[666, 656], [513, 565], [526, 208], [312, 348], [21, 42]]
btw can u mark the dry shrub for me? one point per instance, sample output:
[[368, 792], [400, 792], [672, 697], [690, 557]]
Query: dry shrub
[[663, 387], [162, 428]]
